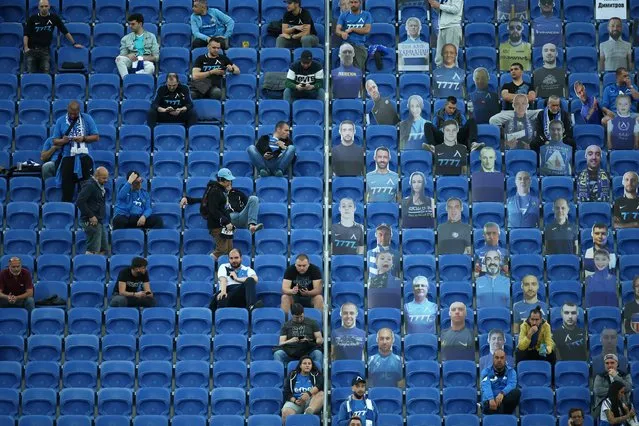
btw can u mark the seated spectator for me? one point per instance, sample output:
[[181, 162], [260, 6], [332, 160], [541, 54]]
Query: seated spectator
[[92, 206], [353, 28], [626, 208], [499, 393], [519, 131], [552, 112], [418, 209], [209, 73], [458, 341], [384, 110], [420, 314], [299, 336], [16, 286], [507, 9], [485, 103], [236, 285], [549, 79], [623, 129], [349, 237], [172, 104], [383, 235], [599, 234], [355, 421], [609, 340], [467, 127], [73, 132], [555, 157], [413, 53], [454, 236], [208, 23], [133, 206], [381, 183], [348, 341], [631, 310], [347, 158], [560, 235], [547, 28], [304, 389], [622, 86], [452, 157], [302, 283], [570, 339], [535, 339], [492, 288], [273, 154], [133, 289], [416, 131], [358, 406], [298, 29], [448, 78], [491, 243], [347, 78], [601, 287], [139, 49], [518, 86], [384, 288], [521, 309], [593, 183], [617, 408], [496, 342], [515, 49], [385, 367], [49, 156], [591, 111], [614, 52], [576, 417], [523, 207], [305, 79]]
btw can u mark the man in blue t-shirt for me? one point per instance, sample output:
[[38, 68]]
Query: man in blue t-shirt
[[492, 288], [523, 207], [347, 78], [420, 314], [547, 28], [348, 341], [353, 27], [622, 86], [209, 22], [485, 102], [448, 79], [555, 157], [357, 405], [385, 368], [381, 183]]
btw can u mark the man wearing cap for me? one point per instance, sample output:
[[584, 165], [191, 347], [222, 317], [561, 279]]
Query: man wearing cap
[[272, 154], [225, 209], [133, 206], [298, 29], [357, 405], [305, 79], [603, 381]]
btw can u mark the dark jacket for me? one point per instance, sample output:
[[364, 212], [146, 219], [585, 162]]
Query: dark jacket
[[91, 201], [217, 203], [317, 379], [541, 139], [263, 147], [178, 99]]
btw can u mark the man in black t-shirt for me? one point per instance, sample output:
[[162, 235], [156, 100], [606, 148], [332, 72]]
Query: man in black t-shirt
[[298, 337], [305, 79], [450, 156], [298, 29], [626, 208], [302, 284], [132, 288], [38, 35], [209, 71], [347, 158], [172, 104]]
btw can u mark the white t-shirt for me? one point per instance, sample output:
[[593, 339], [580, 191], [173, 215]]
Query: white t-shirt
[[242, 272]]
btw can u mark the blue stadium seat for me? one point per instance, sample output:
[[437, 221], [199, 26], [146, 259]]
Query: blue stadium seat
[[230, 347], [238, 137], [115, 401], [479, 34], [603, 317], [76, 420], [271, 241], [571, 373], [150, 9], [117, 374], [244, 33], [81, 34], [381, 135], [107, 34], [459, 400], [572, 397], [10, 60], [536, 400], [414, 84], [127, 241], [158, 320], [264, 401], [537, 419], [580, 34], [417, 264], [452, 186], [200, 163], [191, 405], [195, 320], [36, 86], [9, 402], [113, 419], [163, 267], [174, 59], [309, 163], [135, 111], [266, 374], [156, 347], [76, 10], [104, 87], [81, 348], [308, 112], [110, 11], [343, 372], [11, 348], [351, 187], [562, 267], [192, 374], [379, 318], [238, 163], [176, 34], [518, 160], [39, 374], [171, 214], [534, 373], [347, 268], [122, 321], [152, 402], [553, 187], [164, 241], [582, 59], [459, 373], [272, 111], [41, 402], [591, 213], [379, 213], [348, 109], [107, 138], [192, 347], [488, 212], [306, 190], [54, 267], [6, 137], [628, 267], [243, 11], [422, 401], [44, 348], [169, 137], [479, 11], [469, 419], [138, 86], [34, 111], [11, 375], [623, 161], [103, 111], [491, 318], [561, 292], [20, 241], [423, 373], [454, 267], [165, 189], [308, 137], [49, 321], [627, 241], [70, 86], [78, 402], [72, 54], [273, 215], [198, 267], [272, 189], [58, 215], [526, 264], [7, 115], [481, 56], [12, 12], [89, 267], [85, 321], [239, 112]]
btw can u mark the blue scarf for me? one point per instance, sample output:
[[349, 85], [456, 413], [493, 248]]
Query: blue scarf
[[78, 129]]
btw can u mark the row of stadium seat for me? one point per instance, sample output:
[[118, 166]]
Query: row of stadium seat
[[155, 420]]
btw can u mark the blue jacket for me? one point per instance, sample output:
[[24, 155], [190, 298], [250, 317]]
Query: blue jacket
[[364, 409], [220, 25], [132, 203], [528, 219], [492, 385]]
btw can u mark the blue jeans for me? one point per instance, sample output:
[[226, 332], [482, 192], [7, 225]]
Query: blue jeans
[[96, 238], [316, 355], [28, 304], [294, 94], [248, 215], [280, 163]]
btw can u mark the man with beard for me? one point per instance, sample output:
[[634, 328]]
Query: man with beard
[[492, 288], [523, 207], [357, 405], [499, 393], [615, 52], [16, 286], [609, 340], [603, 380], [599, 234], [515, 49], [353, 28], [420, 314], [347, 78], [133, 288], [385, 368], [348, 236], [593, 183], [496, 342], [382, 110], [384, 289], [347, 158], [381, 183], [485, 102], [549, 79], [570, 340], [298, 337], [521, 309], [626, 207], [172, 103], [458, 341], [236, 285], [454, 236], [133, 206], [383, 236], [302, 283], [298, 29], [448, 78], [510, 90], [535, 339], [561, 236], [547, 27], [451, 157], [209, 73], [348, 341], [631, 310], [555, 157], [491, 242]]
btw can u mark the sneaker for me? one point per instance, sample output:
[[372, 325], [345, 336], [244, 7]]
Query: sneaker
[[264, 173], [256, 305], [279, 173], [256, 227]]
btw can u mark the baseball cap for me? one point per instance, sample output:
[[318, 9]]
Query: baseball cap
[[306, 57], [358, 379], [226, 174], [611, 356]]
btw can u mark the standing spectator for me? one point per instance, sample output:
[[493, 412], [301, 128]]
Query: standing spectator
[[599, 234], [385, 367], [133, 206], [631, 310], [560, 235], [448, 78], [547, 27], [609, 340], [208, 23], [454, 236], [418, 209], [515, 49], [49, 156], [139, 49], [602, 286], [305, 79], [555, 157], [92, 206], [348, 341], [622, 86], [553, 111], [353, 27], [383, 236], [496, 342], [272, 154], [172, 104], [535, 339], [236, 285], [626, 207], [623, 129], [523, 207], [593, 183], [450, 17], [549, 79], [347, 158], [458, 341], [302, 283], [347, 78], [485, 102], [416, 131], [519, 132], [358, 406], [492, 288], [499, 393], [570, 339], [298, 29], [381, 183], [349, 237], [73, 132], [16, 286], [303, 389], [617, 407], [420, 314], [225, 208], [133, 288], [467, 127], [518, 86], [382, 110], [452, 157], [591, 111], [298, 337], [38, 35], [209, 73], [615, 52], [521, 309]]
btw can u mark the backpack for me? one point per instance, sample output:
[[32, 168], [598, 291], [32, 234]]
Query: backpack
[[204, 204], [237, 200]]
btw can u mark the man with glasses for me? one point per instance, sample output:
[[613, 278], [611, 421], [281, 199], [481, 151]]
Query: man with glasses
[[515, 49], [139, 49]]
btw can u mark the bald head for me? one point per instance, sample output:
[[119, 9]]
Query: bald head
[[101, 175]]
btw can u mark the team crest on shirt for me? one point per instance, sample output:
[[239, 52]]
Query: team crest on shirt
[[455, 234], [623, 126]]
